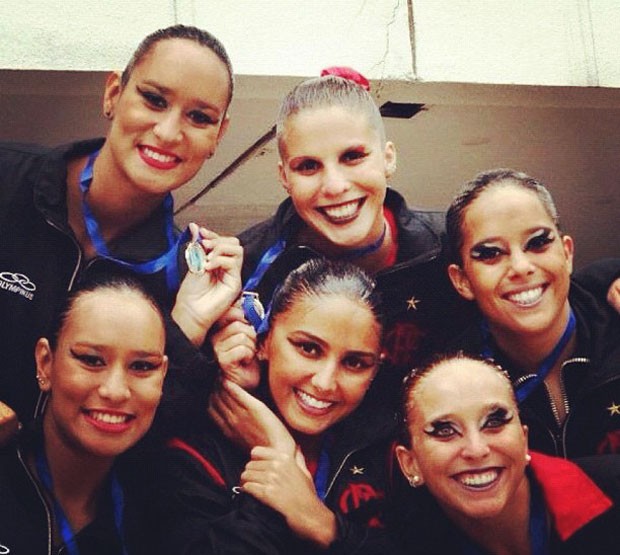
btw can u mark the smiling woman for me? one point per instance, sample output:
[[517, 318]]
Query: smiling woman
[[101, 368], [475, 486], [559, 343], [80, 206], [306, 457]]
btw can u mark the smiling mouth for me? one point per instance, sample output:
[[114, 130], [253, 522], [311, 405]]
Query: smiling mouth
[[108, 418], [342, 213], [158, 159], [313, 403], [528, 297], [480, 479]]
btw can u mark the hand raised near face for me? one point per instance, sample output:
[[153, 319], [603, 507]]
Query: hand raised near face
[[204, 297], [246, 420], [234, 346]]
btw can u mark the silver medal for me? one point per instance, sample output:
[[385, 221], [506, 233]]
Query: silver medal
[[196, 258]]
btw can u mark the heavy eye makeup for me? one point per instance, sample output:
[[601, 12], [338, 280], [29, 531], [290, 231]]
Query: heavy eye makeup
[[354, 155], [540, 239], [441, 429], [486, 252], [359, 361], [498, 418], [306, 347], [87, 358], [304, 166], [146, 365], [152, 98]]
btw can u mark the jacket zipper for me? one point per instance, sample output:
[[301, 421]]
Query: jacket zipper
[[76, 269], [43, 501]]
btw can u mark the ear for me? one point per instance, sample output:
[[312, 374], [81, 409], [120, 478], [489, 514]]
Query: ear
[[223, 127], [389, 154], [283, 178], [44, 359], [407, 461], [112, 92], [569, 249], [460, 282]]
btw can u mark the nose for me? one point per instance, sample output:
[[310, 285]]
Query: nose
[[335, 182], [520, 263], [476, 445], [115, 386], [168, 127], [324, 378]]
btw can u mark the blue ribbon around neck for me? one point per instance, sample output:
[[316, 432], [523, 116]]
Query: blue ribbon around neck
[[259, 323], [525, 389], [321, 475], [167, 260], [66, 532], [539, 536]]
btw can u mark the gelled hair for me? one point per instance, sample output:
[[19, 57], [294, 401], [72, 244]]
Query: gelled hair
[[119, 280], [199, 36], [319, 278], [325, 92], [455, 215], [413, 379]]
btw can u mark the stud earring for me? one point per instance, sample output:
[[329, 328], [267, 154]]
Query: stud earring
[[414, 481], [528, 458], [40, 380]]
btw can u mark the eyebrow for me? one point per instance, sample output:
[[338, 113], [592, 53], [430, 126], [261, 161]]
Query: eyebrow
[[323, 343], [167, 90]]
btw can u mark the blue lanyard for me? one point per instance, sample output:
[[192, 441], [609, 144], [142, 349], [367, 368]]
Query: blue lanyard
[[167, 260], [321, 475], [352, 254], [68, 537], [539, 537], [259, 318], [525, 389], [250, 303]]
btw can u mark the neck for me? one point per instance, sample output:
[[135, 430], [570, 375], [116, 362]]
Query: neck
[[78, 478], [507, 533], [114, 201], [310, 446], [371, 262], [528, 350]]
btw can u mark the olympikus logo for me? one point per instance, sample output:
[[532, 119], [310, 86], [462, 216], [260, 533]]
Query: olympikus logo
[[17, 283]]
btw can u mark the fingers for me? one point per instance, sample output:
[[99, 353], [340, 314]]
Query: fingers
[[223, 252]]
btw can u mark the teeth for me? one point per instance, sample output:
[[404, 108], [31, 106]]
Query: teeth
[[342, 211], [313, 401], [479, 479], [109, 418], [158, 156], [526, 297]]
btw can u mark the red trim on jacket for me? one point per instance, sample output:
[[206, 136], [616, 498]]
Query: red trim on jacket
[[571, 497], [213, 472], [391, 221]]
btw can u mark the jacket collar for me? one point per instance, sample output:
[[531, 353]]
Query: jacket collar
[[571, 497]]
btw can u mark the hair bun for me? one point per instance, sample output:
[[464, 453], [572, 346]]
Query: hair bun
[[347, 73]]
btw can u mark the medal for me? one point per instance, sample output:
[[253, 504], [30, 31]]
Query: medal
[[253, 309], [196, 257]]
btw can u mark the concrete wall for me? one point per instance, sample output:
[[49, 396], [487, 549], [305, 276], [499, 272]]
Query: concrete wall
[[543, 42]]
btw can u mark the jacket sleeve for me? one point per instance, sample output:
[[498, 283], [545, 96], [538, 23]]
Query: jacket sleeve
[[194, 513], [598, 277]]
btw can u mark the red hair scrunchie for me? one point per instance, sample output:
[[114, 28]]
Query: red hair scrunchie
[[347, 73]]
